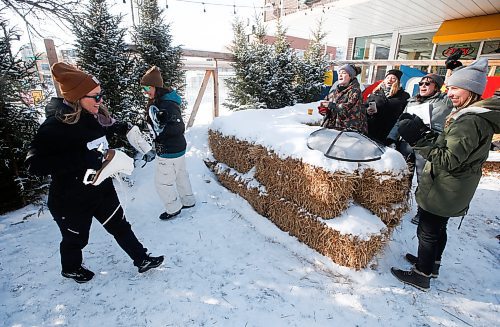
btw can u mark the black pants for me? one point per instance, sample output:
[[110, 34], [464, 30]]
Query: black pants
[[431, 233], [74, 224]]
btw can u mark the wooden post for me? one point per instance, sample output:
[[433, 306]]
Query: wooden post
[[50, 49], [203, 87], [216, 90]]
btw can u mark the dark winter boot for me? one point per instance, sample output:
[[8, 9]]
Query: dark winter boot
[[150, 262], [167, 216], [80, 274], [413, 277], [413, 260]]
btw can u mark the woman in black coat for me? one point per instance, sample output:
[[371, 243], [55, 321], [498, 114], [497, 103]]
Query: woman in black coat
[[165, 119], [65, 147], [385, 105]]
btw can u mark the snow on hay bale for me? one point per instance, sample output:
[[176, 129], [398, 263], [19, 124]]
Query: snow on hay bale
[[346, 249], [270, 147]]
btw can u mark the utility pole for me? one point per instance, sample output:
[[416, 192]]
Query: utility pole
[[50, 49]]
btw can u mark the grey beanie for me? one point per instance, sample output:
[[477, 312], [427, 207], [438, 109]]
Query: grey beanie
[[472, 77], [349, 69]]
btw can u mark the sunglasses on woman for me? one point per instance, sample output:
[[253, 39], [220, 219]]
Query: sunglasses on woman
[[146, 88], [97, 97], [424, 83]]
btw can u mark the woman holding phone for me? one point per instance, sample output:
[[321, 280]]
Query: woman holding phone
[[385, 105]]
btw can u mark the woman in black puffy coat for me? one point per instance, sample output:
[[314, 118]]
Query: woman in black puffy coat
[[385, 105], [65, 147], [165, 119]]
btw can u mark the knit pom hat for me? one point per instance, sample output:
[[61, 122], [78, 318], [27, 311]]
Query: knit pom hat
[[472, 77], [438, 80], [395, 72], [152, 77], [352, 70], [73, 82]]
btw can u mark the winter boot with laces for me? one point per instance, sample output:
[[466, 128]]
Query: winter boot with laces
[[150, 262], [413, 260], [80, 274], [413, 277]]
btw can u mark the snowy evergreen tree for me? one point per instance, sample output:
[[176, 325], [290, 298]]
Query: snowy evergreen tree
[[237, 90], [102, 52], [265, 73], [279, 90], [154, 45], [246, 88], [311, 68], [19, 121]]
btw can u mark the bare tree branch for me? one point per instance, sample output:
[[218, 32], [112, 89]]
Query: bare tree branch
[[40, 10]]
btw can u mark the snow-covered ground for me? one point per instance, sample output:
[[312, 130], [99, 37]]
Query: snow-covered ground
[[228, 266]]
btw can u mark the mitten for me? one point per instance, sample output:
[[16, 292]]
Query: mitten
[[452, 61], [412, 130], [93, 159], [322, 110]]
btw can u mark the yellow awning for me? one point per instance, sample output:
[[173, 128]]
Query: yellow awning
[[468, 29]]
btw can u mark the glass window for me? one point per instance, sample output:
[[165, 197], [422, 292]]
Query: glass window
[[415, 46], [469, 50], [491, 48], [372, 47]]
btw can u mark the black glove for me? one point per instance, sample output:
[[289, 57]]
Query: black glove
[[93, 159], [412, 130], [452, 61], [149, 156], [389, 141], [120, 128], [332, 106], [404, 116]]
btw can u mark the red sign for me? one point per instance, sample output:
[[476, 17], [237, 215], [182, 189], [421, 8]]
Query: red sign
[[466, 51]]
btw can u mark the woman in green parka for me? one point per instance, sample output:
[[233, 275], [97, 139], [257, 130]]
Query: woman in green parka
[[453, 168]]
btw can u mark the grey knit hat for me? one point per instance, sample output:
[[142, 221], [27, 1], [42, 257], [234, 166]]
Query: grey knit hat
[[350, 69], [472, 77]]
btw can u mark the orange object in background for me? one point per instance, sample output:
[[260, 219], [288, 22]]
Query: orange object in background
[[492, 85]]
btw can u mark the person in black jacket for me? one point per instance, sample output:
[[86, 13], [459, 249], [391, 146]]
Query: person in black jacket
[[165, 120], [385, 105], [65, 147]]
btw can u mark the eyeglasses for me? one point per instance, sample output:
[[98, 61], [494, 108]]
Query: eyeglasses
[[146, 88], [97, 97], [424, 83]]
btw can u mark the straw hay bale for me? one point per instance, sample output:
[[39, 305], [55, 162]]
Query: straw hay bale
[[322, 193], [237, 154], [346, 250], [386, 195], [491, 167], [232, 182]]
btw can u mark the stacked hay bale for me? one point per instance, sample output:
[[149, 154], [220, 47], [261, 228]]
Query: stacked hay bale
[[300, 197], [492, 165]]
